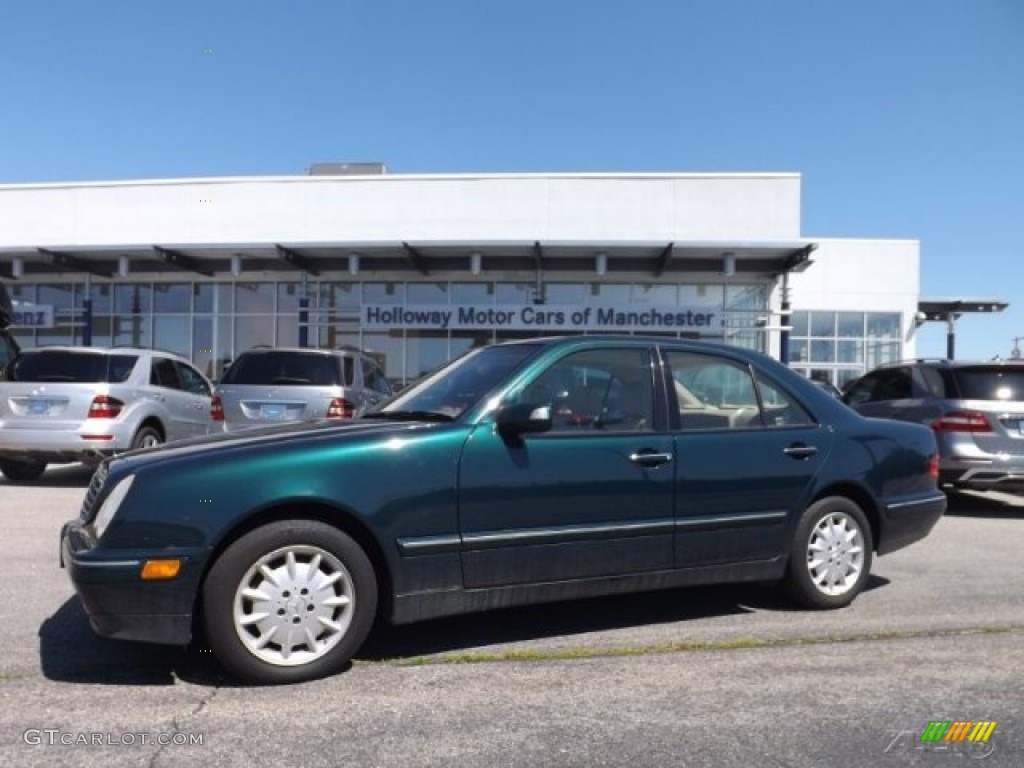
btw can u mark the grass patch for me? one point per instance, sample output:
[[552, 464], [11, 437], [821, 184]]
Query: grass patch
[[682, 646]]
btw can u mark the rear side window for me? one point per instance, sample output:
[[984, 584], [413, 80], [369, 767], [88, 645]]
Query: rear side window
[[990, 383], [295, 369], [65, 365]]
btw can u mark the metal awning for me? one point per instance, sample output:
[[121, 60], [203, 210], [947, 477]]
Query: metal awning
[[411, 258]]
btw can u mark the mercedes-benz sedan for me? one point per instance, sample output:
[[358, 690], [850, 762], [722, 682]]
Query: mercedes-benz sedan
[[525, 472]]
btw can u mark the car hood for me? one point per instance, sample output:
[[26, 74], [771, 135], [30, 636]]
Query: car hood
[[279, 436]]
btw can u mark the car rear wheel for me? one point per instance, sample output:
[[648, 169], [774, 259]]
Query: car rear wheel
[[830, 558], [147, 437], [289, 602], [18, 471]]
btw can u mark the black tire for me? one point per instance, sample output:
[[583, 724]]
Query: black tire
[[22, 471], [809, 585], [146, 435], [289, 603]]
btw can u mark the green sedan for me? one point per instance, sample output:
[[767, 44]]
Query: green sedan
[[533, 471]]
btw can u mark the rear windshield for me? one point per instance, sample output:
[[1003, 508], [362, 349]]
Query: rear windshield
[[66, 365], [990, 383], [294, 369]]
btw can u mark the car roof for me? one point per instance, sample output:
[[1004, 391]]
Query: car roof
[[668, 341], [300, 350], [102, 350]]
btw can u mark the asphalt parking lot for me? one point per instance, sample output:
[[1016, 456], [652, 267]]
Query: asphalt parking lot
[[728, 676]]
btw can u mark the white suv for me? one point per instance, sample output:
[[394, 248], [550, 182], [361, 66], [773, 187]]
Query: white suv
[[65, 404]]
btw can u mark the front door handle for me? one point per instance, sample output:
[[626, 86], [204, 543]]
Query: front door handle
[[800, 451], [648, 458]]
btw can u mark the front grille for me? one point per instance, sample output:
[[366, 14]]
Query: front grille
[[99, 478]]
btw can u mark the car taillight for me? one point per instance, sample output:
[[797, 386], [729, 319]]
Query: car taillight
[[216, 408], [962, 421], [933, 467], [340, 408], [104, 407]]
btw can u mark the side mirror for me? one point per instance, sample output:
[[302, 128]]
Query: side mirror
[[523, 418]]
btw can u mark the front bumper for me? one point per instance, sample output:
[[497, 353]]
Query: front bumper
[[909, 520], [119, 603]]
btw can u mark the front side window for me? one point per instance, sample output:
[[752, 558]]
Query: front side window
[[606, 389], [192, 381]]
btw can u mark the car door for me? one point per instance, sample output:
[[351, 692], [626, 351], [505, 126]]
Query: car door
[[197, 390], [591, 497], [746, 454]]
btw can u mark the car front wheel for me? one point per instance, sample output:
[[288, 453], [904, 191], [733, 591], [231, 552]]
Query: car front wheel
[[22, 471], [830, 558], [289, 602]]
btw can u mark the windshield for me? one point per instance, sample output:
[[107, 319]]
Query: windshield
[[463, 383]]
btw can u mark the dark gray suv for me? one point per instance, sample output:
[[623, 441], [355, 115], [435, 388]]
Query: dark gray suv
[[975, 408]]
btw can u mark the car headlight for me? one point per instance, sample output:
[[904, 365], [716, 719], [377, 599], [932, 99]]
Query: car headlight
[[111, 504]]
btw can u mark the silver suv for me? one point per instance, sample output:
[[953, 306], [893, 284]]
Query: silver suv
[[64, 404], [975, 408], [270, 386]]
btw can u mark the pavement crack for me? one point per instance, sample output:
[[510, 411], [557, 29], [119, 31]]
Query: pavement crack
[[178, 722]]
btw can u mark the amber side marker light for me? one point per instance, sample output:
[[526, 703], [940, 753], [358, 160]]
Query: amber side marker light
[[156, 570]]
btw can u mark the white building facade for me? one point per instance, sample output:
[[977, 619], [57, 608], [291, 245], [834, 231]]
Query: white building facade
[[420, 268]]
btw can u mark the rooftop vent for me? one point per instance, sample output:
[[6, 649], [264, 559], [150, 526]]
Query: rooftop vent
[[347, 169]]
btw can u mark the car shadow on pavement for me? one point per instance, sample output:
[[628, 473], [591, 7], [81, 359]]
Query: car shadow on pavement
[[69, 476], [980, 504], [575, 617], [70, 652]]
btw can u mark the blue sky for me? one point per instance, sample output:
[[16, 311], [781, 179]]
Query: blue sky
[[905, 117]]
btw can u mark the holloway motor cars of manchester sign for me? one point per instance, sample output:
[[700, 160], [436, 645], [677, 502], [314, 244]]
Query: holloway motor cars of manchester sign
[[706, 320]]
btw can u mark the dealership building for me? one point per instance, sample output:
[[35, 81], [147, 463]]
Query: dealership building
[[418, 268]]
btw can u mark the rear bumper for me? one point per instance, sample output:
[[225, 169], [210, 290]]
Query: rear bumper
[[90, 439], [118, 602], [906, 521]]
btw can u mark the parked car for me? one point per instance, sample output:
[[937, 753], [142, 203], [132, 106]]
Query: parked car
[[8, 346], [269, 386], [524, 472], [975, 408], [66, 404]]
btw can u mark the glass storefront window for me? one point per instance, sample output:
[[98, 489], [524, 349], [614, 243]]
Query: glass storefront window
[[253, 331], [517, 294], [850, 351], [133, 299], [61, 296], [851, 325], [701, 295], [172, 297], [569, 293], [746, 296], [426, 293], [133, 330], [288, 330], [800, 322], [102, 298], [798, 351], [424, 351], [603, 295], [823, 324], [823, 351], [214, 298], [254, 297], [472, 293], [883, 325], [173, 333], [288, 295], [340, 296], [383, 293], [211, 341], [389, 349], [656, 295]]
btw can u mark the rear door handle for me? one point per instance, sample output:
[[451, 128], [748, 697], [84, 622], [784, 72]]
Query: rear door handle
[[800, 451], [647, 458]]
